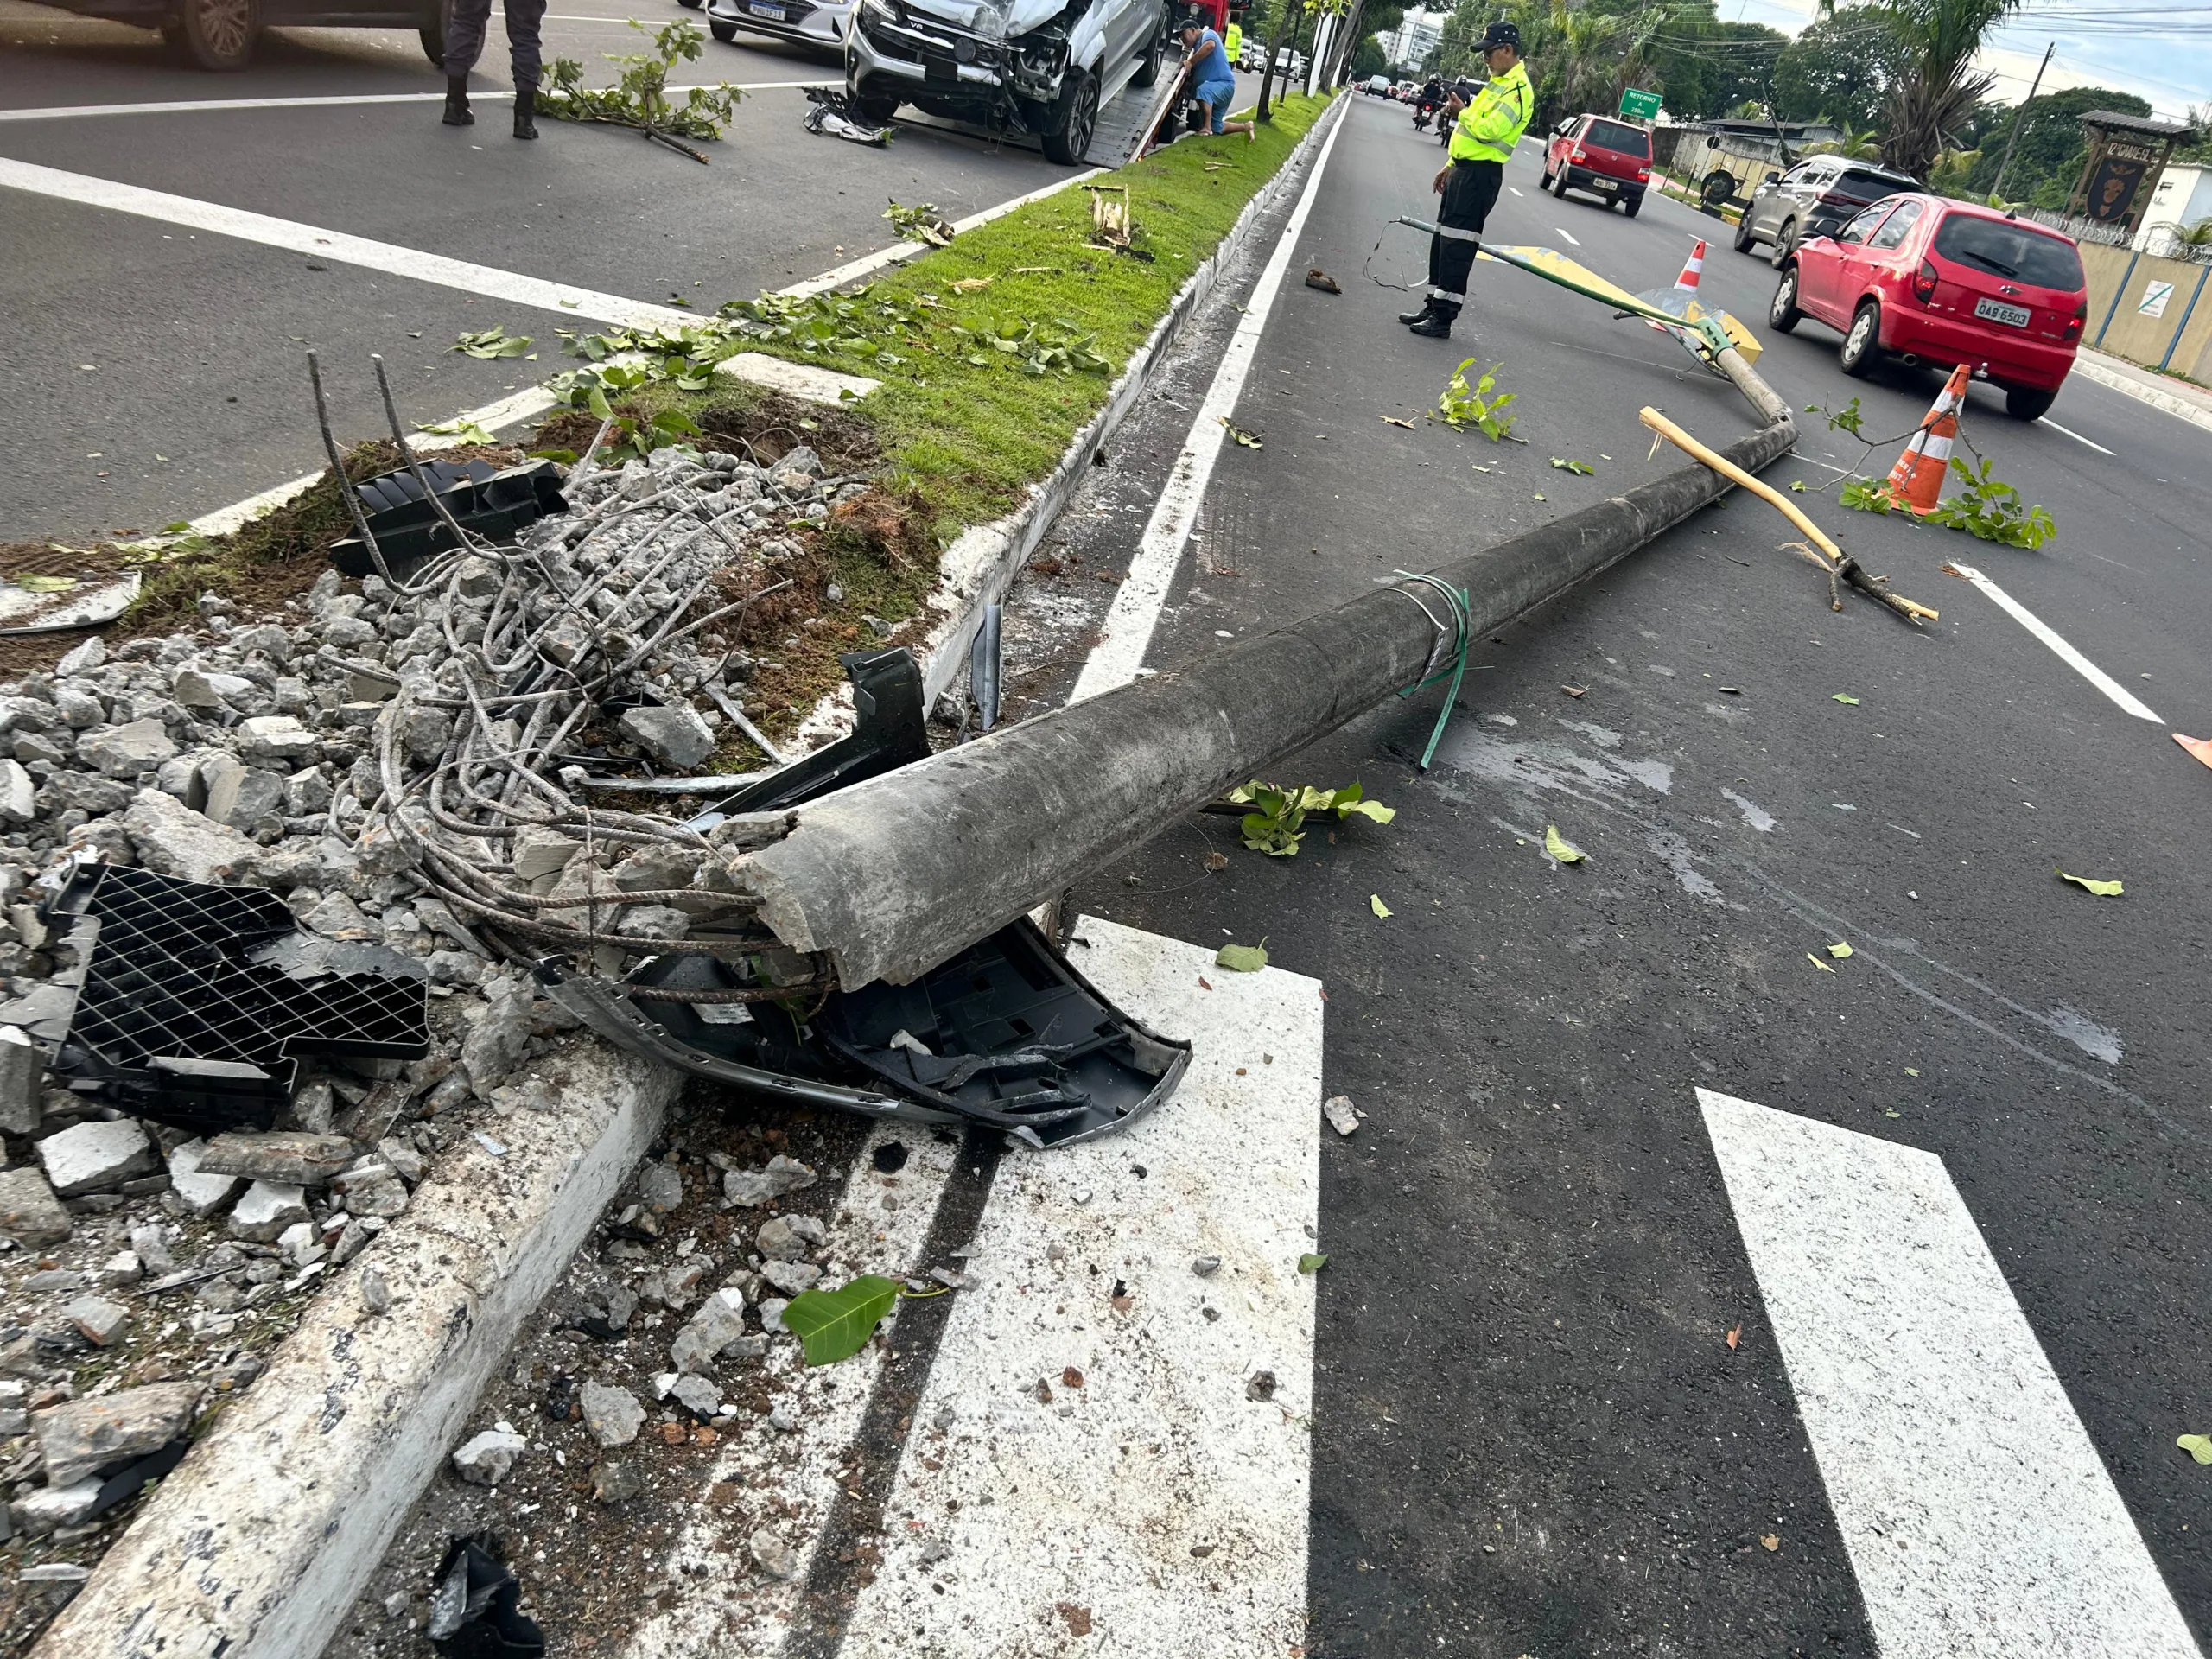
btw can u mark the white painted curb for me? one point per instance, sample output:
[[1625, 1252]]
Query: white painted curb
[[256, 1547], [979, 566]]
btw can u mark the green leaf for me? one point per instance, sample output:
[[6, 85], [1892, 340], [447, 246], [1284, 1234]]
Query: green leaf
[[835, 1324], [1375, 903], [46, 584], [492, 342], [1838, 951], [1846, 697], [1797, 485], [461, 428], [1311, 1262], [1373, 810], [1242, 958], [1583, 467], [2197, 1445], [1561, 848], [2102, 889], [1818, 964]]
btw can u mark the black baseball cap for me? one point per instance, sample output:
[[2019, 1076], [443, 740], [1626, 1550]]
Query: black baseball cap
[[1502, 34]]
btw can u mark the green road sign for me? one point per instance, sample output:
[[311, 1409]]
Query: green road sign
[[1640, 107]]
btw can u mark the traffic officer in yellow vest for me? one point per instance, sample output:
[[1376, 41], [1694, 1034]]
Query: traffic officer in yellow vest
[[1487, 129], [1232, 40]]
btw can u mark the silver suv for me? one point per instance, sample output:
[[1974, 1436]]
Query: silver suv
[[1042, 66], [1814, 198]]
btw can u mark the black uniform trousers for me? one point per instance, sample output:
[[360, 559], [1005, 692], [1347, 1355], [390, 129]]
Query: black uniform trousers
[[1469, 191], [465, 26]]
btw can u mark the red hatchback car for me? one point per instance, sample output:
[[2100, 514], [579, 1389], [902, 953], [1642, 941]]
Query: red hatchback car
[[1928, 280], [1608, 158]]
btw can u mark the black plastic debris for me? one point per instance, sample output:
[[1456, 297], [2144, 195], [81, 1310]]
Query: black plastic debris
[[135, 1476], [829, 113], [194, 1004], [475, 1607], [493, 502], [890, 728]]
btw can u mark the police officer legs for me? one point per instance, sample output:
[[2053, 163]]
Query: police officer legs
[[466, 24], [1489, 121]]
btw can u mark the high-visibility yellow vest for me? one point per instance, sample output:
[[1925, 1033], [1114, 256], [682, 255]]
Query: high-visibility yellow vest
[[1232, 43], [1489, 126]]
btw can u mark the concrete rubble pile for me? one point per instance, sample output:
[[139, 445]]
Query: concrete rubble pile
[[268, 754]]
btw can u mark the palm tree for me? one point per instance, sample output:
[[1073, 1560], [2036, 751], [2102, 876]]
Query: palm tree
[[1940, 86], [1852, 146]]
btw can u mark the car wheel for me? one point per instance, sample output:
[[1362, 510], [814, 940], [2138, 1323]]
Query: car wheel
[[2028, 403], [1631, 204], [1075, 117], [1785, 242], [218, 35], [1558, 184], [1862, 345], [1544, 183], [1744, 240], [1782, 312], [1148, 66], [726, 32]]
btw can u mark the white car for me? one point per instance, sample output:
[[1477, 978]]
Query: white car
[[807, 23], [1016, 66]]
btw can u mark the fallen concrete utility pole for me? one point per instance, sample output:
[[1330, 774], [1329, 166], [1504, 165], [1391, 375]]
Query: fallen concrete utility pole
[[892, 876]]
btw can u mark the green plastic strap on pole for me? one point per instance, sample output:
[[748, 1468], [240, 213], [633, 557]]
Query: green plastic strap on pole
[[1455, 599]]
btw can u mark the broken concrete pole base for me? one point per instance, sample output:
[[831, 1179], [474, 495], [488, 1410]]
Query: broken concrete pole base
[[258, 1545]]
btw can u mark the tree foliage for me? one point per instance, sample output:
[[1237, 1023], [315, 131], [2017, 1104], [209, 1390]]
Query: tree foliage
[[1840, 68], [1937, 87], [2048, 158]]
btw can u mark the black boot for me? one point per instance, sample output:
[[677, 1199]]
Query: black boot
[[1411, 317], [457, 113], [1437, 325], [525, 109]]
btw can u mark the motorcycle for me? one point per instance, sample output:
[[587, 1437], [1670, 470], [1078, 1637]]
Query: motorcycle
[[1421, 114]]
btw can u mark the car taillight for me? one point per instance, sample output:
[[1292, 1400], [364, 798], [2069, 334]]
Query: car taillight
[[1828, 198], [2073, 324], [1576, 155], [1924, 282], [1642, 173]]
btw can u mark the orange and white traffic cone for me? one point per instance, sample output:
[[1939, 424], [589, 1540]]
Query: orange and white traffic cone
[[1916, 483], [1686, 283]]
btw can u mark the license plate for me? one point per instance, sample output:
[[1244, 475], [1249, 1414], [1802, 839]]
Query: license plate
[[1603, 184], [2014, 316], [761, 9]]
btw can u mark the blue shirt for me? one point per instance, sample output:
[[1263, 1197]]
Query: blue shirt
[[1213, 70]]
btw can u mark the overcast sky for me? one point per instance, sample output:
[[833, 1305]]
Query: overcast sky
[[2170, 69]]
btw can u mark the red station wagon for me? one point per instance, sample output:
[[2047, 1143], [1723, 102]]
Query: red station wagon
[[1930, 280], [1611, 159]]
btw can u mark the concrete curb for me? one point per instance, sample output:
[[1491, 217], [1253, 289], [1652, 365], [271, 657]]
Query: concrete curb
[[982, 564], [2157, 397], [256, 1547]]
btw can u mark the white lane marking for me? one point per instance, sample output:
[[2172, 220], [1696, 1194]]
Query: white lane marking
[[1098, 1497], [319, 244], [880, 1226], [194, 106], [2046, 421], [1978, 1516], [535, 400], [1515, 189], [1573, 239], [2073, 659], [1135, 610]]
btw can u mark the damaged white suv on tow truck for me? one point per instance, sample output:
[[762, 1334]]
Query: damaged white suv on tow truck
[[1041, 67]]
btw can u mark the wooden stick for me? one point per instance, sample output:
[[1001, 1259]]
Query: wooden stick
[[1846, 567]]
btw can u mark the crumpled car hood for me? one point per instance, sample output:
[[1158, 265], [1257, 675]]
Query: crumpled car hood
[[989, 17]]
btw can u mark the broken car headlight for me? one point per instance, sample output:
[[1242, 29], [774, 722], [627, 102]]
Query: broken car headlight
[[987, 22]]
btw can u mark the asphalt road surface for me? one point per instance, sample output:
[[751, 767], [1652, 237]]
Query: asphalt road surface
[[155, 370], [1603, 1364]]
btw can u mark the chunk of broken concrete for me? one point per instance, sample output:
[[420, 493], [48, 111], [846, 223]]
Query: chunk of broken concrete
[[789, 1238], [97, 1157], [675, 736], [53, 1507], [172, 839], [719, 1322], [203, 1194], [83, 1437], [99, 1321], [752, 1188], [126, 751], [613, 1414], [29, 1213], [291, 1157], [484, 1460], [22, 1071], [266, 1210]]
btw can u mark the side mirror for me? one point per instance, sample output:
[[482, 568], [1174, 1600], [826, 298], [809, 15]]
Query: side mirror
[[1772, 178]]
